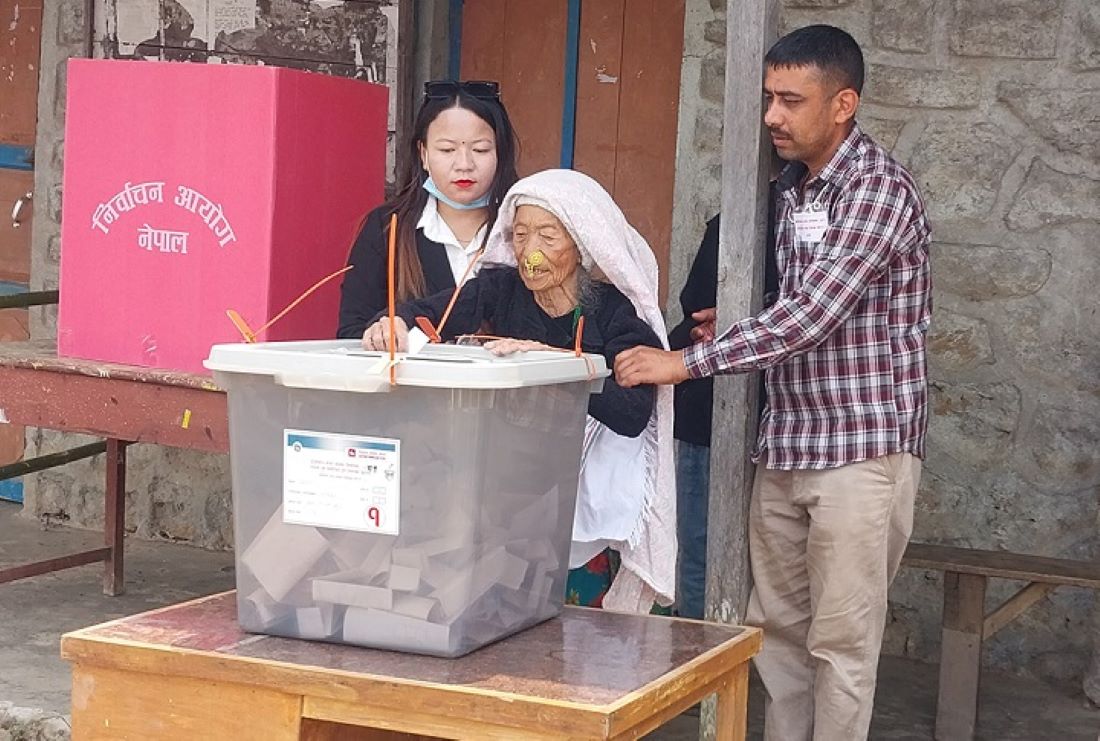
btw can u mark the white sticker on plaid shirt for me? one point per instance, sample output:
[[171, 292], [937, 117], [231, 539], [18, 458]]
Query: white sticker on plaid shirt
[[810, 223]]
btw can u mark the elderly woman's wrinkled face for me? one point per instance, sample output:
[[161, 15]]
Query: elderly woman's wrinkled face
[[546, 255]]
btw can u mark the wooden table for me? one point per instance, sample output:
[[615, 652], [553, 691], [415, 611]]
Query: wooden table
[[124, 404], [188, 672]]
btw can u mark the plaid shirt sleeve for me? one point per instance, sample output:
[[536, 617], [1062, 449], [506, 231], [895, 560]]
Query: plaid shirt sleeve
[[870, 223]]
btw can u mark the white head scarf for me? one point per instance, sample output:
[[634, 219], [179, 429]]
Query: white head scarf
[[606, 240]]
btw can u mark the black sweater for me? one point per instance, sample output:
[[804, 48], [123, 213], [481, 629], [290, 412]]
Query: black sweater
[[496, 302], [363, 292], [694, 399]]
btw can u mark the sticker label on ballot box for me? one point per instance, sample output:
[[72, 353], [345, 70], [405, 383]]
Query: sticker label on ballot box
[[341, 481]]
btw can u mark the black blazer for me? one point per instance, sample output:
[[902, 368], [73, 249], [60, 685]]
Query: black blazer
[[363, 292]]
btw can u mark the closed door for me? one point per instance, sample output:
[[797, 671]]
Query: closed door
[[593, 85], [22, 21]]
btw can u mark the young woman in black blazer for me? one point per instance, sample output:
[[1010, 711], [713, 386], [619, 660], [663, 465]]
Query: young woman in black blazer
[[461, 162]]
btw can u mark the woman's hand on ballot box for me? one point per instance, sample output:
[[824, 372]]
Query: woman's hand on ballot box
[[377, 336], [510, 346]]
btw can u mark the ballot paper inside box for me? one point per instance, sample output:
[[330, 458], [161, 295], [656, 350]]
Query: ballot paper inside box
[[431, 517]]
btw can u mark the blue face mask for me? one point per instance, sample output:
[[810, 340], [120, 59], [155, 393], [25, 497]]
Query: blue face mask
[[431, 187]]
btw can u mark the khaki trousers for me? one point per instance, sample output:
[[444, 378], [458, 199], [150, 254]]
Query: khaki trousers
[[824, 547]]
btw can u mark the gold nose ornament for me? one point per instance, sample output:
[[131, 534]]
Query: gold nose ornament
[[532, 261]]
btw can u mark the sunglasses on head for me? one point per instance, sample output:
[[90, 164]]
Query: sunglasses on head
[[483, 89]]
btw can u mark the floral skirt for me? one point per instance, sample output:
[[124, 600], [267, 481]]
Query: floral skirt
[[587, 585]]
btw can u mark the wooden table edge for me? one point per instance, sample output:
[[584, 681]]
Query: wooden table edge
[[500, 708], [704, 673], [84, 648], [79, 632], [308, 681]]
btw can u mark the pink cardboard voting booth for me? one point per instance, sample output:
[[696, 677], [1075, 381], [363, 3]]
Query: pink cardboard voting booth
[[191, 189]]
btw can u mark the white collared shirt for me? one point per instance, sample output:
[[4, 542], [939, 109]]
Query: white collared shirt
[[436, 229]]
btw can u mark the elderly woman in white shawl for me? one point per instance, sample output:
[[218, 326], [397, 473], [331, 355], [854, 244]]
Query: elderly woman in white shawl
[[562, 249]]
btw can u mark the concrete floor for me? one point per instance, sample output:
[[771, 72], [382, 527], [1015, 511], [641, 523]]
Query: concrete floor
[[35, 612]]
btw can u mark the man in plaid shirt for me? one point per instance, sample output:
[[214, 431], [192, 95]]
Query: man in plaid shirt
[[843, 351]]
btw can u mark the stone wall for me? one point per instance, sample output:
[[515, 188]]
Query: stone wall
[[699, 140], [995, 107], [31, 724]]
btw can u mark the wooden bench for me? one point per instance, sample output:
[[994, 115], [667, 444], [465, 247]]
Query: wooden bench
[[122, 403], [966, 624]]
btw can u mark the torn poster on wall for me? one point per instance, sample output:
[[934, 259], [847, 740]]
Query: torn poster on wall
[[346, 39]]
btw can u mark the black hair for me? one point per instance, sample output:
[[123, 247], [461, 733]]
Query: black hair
[[409, 201], [830, 49]]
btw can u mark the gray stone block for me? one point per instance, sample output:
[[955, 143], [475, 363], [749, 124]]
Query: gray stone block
[[1061, 445], [59, 154], [708, 131], [61, 72], [1086, 47], [72, 23], [53, 248], [883, 130], [973, 423], [715, 31], [959, 343], [32, 724], [980, 272], [1019, 29], [924, 88], [906, 632], [712, 79], [1091, 684], [938, 508], [816, 3], [181, 495], [1052, 338], [54, 203], [902, 25], [1050, 197], [171, 494], [1067, 118], [1021, 339], [959, 166]]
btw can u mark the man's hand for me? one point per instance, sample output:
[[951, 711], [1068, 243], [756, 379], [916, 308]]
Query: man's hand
[[704, 330], [643, 364], [377, 336]]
